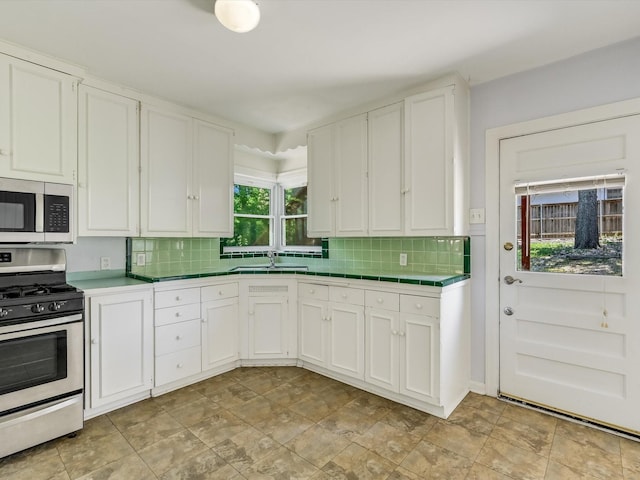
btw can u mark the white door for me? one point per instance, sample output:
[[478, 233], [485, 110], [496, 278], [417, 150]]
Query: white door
[[268, 327], [313, 332], [220, 331], [568, 340], [381, 363], [346, 339], [320, 182], [419, 354], [212, 193], [108, 161], [121, 336], [165, 179]]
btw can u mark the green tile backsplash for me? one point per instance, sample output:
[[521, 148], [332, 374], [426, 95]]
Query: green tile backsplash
[[429, 255]]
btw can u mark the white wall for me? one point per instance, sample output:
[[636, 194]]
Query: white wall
[[606, 75], [85, 254]]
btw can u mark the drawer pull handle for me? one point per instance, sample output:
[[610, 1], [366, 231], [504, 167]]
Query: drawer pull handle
[[180, 365], [178, 298], [380, 300], [312, 291], [402, 334], [394, 332], [344, 295], [220, 292], [418, 306], [178, 314], [178, 337]]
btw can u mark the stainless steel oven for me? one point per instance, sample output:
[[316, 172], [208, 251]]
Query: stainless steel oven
[[41, 350]]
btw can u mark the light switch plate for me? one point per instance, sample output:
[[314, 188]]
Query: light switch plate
[[476, 215]]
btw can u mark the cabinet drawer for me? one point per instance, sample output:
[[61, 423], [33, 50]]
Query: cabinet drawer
[[313, 290], [177, 365], [385, 300], [177, 336], [354, 296], [420, 305], [173, 298], [219, 292], [183, 313]]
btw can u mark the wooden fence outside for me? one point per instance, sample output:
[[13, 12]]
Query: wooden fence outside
[[558, 220]]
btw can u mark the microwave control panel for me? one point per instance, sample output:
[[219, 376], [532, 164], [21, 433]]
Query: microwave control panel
[[56, 214]]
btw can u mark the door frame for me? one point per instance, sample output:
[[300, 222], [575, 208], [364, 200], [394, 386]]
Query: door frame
[[492, 207]]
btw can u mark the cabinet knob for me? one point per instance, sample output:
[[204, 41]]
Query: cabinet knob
[[178, 337], [178, 298], [402, 334], [180, 365], [189, 197], [418, 306], [344, 295], [196, 197], [394, 332], [404, 190], [81, 185], [220, 292], [380, 300], [312, 291], [178, 314], [94, 341], [4, 152]]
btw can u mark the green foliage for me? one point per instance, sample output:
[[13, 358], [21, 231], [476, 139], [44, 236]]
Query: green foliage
[[251, 200]]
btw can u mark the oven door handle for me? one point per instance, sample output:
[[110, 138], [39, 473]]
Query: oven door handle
[[41, 411], [39, 213]]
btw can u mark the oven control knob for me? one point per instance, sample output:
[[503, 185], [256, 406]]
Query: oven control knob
[[3, 312], [55, 306], [37, 308]]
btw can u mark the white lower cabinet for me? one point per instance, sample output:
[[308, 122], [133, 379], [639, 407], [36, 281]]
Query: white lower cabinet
[[331, 326], [220, 325], [120, 348]]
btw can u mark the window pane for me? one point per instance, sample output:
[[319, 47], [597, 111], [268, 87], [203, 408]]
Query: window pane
[[571, 232], [295, 233], [249, 232], [251, 200], [295, 201]]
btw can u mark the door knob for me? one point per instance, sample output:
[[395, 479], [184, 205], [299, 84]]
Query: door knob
[[509, 280], [508, 311]]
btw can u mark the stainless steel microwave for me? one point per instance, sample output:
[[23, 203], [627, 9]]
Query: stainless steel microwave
[[33, 212]]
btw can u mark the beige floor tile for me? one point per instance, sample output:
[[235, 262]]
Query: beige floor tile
[[533, 418], [172, 451], [588, 436], [431, 461], [194, 412], [480, 472], [315, 407], [403, 474], [283, 464], [82, 457], [228, 396], [287, 374], [44, 469], [204, 466], [261, 384], [476, 420], [523, 436], [631, 475], [349, 422], [557, 471], [255, 410], [630, 454], [482, 402], [456, 438], [218, 427], [284, 425], [20, 460], [373, 405], [143, 434], [136, 413], [179, 398], [587, 459], [410, 420], [389, 442], [246, 448], [318, 445], [358, 462], [512, 461], [287, 394], [126, 468]]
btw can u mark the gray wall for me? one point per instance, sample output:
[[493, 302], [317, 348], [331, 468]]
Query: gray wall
[[602, 76]]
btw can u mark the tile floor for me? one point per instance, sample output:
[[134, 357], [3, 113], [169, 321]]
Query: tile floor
[[289, 423]]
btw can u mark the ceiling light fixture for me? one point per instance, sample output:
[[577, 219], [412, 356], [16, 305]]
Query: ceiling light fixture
[[239, 16]]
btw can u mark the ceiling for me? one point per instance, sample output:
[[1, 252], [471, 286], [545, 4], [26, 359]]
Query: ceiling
[[309, 59]]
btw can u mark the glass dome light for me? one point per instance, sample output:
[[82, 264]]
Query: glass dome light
[[239, 16]]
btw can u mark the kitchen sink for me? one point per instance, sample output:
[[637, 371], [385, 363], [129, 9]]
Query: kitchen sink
[[267, 268]]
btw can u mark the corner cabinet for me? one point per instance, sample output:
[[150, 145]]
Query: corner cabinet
[[337, 182], [108, 161], [186, 176], [119, 346], [38, 122], [220, 326], [401, 169]]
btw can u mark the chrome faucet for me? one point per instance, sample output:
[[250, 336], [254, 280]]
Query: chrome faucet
[[272, 258]]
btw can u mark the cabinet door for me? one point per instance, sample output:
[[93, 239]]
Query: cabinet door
[[121, 346], [220, 330], [346, 339], [108, 160], [320, 200], [166, 148], [428, 172], [350, 176], [268, 327], [419, 354], [385, 171], [212, 193], [312, 324], [381, 363], [38, 122]]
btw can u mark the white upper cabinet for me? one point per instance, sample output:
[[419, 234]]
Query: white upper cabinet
[[398, 170], [212, 189], [385, 171], [108, 161], [337, 171], [38, 122], [186, 177]]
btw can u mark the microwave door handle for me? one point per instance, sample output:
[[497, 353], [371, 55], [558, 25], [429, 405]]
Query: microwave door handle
[[39, 212]]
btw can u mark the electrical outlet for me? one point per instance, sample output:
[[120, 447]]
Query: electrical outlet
[[141, 259], [403, 259], [476, 215], [105, 263]]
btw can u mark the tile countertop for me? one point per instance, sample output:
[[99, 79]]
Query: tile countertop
[[407, 278]]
